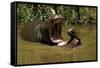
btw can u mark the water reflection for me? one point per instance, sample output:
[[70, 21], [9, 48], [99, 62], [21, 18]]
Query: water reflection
[[60, 57], [74, 57], [56, 55]]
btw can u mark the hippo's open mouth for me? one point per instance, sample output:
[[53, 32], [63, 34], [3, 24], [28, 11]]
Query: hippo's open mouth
[[56, 33]]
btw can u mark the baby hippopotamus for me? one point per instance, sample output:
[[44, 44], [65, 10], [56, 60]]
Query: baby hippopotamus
[[74, 40]]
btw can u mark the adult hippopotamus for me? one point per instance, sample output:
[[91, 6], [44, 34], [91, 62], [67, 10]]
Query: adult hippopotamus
[[48, 32]]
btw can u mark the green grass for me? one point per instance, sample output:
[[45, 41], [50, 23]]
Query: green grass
[[35, 53]]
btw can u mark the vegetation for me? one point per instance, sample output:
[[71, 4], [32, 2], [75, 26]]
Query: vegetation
[[26, 13]]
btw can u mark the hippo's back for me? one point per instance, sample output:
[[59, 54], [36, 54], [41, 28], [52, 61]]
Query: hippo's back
[[28, 31]]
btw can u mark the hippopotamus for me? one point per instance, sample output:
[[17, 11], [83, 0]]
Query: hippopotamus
[[48, 32], [74, 39]]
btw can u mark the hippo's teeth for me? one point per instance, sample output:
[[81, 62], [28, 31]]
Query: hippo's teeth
[[61, 43]]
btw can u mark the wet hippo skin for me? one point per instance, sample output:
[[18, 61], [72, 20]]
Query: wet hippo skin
[[45, 32]]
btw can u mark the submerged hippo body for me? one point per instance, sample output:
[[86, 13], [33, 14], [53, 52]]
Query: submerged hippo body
[[36, 32], [74, 40]]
